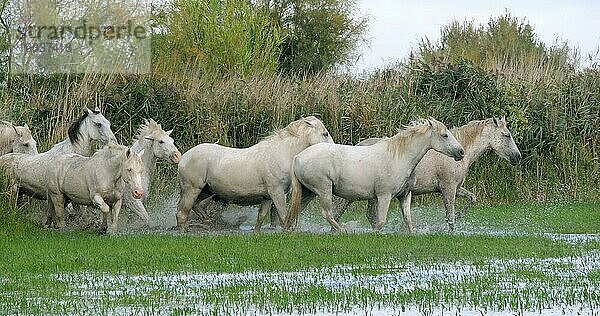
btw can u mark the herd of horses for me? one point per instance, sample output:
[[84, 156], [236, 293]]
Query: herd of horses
[[300, 161]]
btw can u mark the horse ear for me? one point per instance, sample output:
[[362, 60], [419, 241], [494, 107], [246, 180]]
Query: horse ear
[[128, 153], [169, 132], [309, 123], [153, 122], [89, 112], [496, 121], [26, 126], [96, 110], [16, 130]]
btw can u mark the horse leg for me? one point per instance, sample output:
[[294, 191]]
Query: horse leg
[[186, 202], [50, 216], [405, 204], [104, 209], [116, 209], [449, 199], [273, 216], [325, 200], [372, 211], [265, 206], [340, 207], [57, 210], [383, 203], [138, 208], [468, 194], [279, 200], [199, 208]]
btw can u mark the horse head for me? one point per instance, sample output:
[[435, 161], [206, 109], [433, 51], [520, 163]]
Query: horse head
[[443, 141], [94, 125], [163, 146], [501, 140], [313, 130]]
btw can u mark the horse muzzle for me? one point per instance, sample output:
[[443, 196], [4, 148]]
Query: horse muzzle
[[459, 155], [175, 157], [137, 193], [515, 159]]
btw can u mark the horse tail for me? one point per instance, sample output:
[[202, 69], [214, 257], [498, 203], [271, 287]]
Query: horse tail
[[291, 220]]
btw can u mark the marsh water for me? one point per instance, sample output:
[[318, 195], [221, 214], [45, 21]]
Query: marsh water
[[551, 286]]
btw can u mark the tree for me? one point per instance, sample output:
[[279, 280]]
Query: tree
[[319, 34]]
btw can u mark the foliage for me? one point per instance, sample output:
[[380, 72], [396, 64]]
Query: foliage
[[505, 45], [554, 118], [233, 37], [319, 34]]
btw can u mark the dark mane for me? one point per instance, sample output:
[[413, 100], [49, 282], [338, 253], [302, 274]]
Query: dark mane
[[74, 128]]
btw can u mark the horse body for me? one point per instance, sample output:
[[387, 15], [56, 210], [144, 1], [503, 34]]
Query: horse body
[[30, 170], [439, 173], [152, 143], [100, 180], [436, 173], [16, 139], [380, 171], [248, 176]]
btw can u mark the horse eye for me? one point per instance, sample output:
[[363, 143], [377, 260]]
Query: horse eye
[[98, 125], [445, 135], [325, 134], [161, 141], [129, 169], [26, 144], [507, 135]]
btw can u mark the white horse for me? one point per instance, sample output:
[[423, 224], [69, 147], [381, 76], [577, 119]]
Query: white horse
[[260, 174], [152, 143], [438, 173], [378, 172], [16, 139], [29, 171], [100, 180]]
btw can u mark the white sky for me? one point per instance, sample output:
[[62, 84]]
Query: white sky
[[396, 26]]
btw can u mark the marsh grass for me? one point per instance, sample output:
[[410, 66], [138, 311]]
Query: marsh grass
[[504, 258], [553, 120]]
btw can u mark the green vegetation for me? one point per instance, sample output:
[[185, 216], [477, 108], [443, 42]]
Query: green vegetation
[[319, 34], [553, 108], [80, 272]]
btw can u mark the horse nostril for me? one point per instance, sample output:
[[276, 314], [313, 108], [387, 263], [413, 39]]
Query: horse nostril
[[137, 194], [461, 152], [175, 157]]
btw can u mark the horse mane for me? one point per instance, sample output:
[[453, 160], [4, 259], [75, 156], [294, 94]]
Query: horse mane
[[148, 128], [73, 131], [4, 136], [111, 150], [398, 142], [291, 130], [468, 133]]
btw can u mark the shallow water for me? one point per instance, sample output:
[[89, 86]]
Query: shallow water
[[555, 286], [340, 290]]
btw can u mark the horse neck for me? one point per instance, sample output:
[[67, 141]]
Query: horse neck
[[81, 147], [6, 139], [114, 164], [416, 147], [148, 159], [290, 145], [473, 149]]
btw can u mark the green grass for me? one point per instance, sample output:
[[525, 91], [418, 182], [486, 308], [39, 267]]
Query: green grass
[[83, 272]]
